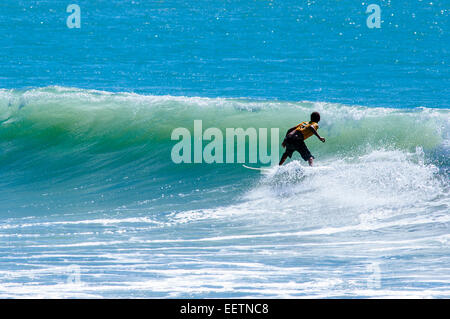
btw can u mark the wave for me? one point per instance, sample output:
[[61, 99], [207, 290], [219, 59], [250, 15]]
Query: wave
[[89, 174], [106, 122], [74, 142]]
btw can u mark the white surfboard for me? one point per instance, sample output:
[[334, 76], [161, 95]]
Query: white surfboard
[[257, 168]]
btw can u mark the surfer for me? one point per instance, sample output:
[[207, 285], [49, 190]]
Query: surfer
[[296, 136]]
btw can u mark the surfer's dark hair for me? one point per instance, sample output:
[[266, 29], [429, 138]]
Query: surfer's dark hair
[[315, 117]]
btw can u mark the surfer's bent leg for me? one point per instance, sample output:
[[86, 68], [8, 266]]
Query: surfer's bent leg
[[287, 153], [283, 158], [305, 153]]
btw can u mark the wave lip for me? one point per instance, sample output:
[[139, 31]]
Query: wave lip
[[88, 115]]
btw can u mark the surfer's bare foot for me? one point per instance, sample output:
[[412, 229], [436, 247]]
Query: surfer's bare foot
[[310, 161]]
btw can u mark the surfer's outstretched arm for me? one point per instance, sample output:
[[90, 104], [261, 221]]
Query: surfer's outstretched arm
[[317, 134]]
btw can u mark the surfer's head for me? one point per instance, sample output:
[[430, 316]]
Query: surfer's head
[[315, 117]]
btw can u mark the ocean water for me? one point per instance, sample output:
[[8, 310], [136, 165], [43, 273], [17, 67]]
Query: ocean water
[[92, 205]]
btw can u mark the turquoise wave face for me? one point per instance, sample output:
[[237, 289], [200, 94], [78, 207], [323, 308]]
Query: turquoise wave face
[[79, 146]]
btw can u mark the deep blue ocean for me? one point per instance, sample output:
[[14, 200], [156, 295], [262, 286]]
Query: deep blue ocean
[[93, 206]]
